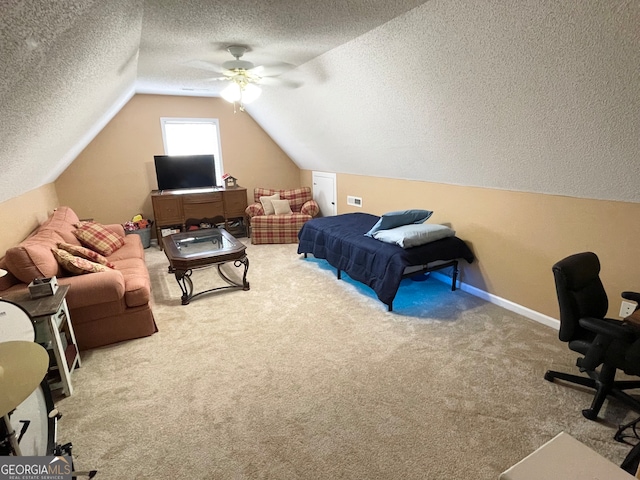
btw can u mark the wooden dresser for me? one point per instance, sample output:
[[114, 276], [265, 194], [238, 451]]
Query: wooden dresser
[[172, 208]]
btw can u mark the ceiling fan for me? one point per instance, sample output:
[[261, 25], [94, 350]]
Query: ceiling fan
[[244, 77]]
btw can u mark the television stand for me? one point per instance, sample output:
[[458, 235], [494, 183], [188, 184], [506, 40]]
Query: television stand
[[174, 207], [186, 191]]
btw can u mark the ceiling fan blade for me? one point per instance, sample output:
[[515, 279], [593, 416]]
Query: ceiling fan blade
[[279, 82], [272, 70], [203, 65]]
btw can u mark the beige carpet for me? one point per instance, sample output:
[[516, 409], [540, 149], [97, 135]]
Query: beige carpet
[[308, 377]]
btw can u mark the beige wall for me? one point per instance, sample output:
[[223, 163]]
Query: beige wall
[[516, 236], [111, 179], [21, 215]]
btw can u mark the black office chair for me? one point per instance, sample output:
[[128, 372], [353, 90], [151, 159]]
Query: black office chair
[[603, 341]]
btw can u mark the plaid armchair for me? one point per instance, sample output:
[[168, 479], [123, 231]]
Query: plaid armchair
[[280, 228]]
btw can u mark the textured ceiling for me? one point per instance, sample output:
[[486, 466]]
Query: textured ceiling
[[65, 66], [534, 96], [290, 31], [530, 95], [69, 65]]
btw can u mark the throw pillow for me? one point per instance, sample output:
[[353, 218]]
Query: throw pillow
[[76, 265], [398, 218], [413, 235], [281, 207], [99, 238], [83, 252], [267, 205]]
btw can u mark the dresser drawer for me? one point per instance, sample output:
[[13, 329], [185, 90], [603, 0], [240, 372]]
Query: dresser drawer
[[203, 210], [167, 210], [235, 203], [202, 198]]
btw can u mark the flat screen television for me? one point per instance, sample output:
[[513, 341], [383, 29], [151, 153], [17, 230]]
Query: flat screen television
[[175, 172]]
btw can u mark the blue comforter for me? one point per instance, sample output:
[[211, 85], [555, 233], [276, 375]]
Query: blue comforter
[[341, 241]]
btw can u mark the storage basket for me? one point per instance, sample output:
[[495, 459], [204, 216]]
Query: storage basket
[[145, 235]]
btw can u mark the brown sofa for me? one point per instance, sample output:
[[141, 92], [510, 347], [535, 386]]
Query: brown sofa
[[105, 307]]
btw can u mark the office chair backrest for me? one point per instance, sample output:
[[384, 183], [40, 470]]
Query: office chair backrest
[[580, 292]]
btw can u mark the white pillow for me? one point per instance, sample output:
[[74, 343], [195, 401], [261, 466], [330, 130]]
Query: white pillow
[[281, 207], [267, 205], [408, 236]]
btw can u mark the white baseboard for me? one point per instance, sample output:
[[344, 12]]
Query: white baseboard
[[508, 304]]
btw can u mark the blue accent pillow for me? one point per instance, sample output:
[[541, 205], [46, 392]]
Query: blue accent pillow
[[408, 236], [398, 218]]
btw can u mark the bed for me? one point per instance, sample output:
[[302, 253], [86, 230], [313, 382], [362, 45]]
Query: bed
[[341, 241]]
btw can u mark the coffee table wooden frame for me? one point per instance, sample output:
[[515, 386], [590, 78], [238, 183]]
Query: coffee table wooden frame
[[182, 265]]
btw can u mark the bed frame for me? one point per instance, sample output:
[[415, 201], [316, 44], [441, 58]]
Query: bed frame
[[423, 269], [341, 241]]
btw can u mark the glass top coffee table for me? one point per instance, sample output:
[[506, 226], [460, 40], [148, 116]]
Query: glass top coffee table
[[203, 248]]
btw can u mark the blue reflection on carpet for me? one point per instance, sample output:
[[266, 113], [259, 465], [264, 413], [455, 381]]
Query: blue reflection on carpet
[[422, 297]]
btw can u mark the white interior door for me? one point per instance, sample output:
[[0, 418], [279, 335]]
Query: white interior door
[[324, 192]]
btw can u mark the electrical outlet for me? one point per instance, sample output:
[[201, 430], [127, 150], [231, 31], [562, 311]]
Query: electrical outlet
[[627, 308]]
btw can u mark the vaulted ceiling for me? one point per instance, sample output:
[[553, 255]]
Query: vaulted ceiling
[[527, 95]]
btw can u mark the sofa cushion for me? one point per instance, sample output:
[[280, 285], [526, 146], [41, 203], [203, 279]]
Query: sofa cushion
[[137, 284], [296, 196], [86, 253], [277, 228], [293, 221], [33, 258], [76, 265], [132, 248], [267, 203], [62, 222], [9, 280], [262, 192], [281, 207], [86, 290], [65, 215], [68, 236], [99, 238], [61, 216]]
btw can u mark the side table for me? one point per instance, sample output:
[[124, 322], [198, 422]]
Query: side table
[[54, 331]]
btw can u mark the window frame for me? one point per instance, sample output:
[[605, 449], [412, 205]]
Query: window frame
[[187, 120]]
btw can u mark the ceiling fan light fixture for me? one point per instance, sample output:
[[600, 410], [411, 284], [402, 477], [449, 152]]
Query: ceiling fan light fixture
[[250, 93], [241, 93], [232, 93]]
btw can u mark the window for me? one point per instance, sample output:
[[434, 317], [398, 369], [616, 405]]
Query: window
[[193, 136]]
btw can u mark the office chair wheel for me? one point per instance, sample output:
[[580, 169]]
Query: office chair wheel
[[589, 414]]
